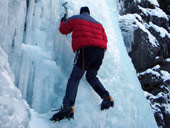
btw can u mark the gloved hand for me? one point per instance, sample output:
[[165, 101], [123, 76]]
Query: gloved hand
[[64, 17]]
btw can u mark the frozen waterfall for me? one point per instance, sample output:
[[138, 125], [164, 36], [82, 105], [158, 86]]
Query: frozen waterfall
[[41, 60]]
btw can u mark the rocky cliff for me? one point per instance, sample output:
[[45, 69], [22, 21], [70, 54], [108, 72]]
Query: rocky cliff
[[146, 32]]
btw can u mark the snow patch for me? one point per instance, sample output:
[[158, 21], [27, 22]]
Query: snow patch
[[154, 12], [150, 71], [167, 60], [163, 32], [152, 39], [154, 2], [165, 75], [157, 57]]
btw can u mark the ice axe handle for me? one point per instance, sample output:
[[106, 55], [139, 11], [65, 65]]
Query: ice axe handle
[[66, 11], [65, 15], [64, 4]]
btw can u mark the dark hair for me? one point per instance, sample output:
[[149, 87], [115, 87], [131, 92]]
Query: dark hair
[[84, 9]]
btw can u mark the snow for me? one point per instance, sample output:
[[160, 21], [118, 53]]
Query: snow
[[168, 60], [156, 67], [163, 32], [13, 109], [150, 71], [168, 107], [165, 75], [157, 57], [41, 61], [130, 17], [152, 39], [154, 2], [157, 106], [154, 12]]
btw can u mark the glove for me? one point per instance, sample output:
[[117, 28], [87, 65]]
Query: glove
[[64, 17]]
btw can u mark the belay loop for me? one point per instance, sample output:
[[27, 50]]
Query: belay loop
[[66, 11]]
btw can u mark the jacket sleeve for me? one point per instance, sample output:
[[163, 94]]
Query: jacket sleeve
[[66, 27], [104, 36]]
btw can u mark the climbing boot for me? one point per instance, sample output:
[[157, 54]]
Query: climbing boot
[[64, 112], [107, 103]]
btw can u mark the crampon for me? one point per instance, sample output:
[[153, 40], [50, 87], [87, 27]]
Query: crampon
[[63, 113], [107, 103]]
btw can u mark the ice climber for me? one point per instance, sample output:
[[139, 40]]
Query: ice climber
[[89, 42]]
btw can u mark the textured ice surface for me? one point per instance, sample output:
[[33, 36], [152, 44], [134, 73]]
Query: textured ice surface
[[13, 109]]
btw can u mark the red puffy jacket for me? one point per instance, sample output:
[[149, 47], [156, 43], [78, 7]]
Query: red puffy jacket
[[86, 31]]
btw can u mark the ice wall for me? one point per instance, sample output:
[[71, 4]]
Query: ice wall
[[41, 59], [13, 109], [12, 21]]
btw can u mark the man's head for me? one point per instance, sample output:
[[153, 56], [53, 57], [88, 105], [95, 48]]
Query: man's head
[[84, 9]]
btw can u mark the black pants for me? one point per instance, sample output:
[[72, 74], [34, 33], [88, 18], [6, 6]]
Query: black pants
[[87, 60]]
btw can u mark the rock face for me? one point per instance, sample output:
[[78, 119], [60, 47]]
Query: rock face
[[156, 84], [165, 5], [146, 31], [141, 51]]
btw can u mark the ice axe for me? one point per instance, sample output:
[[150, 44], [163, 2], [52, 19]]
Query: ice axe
[[66, 11]]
